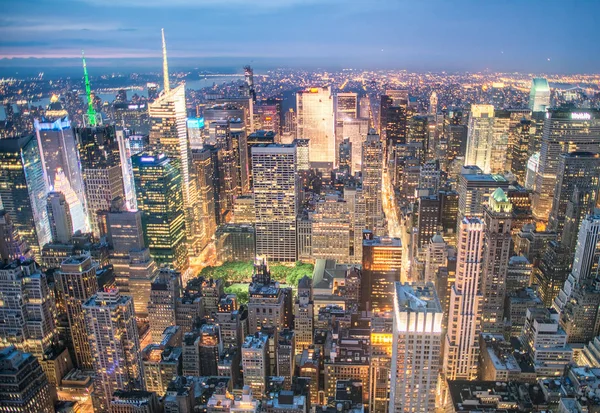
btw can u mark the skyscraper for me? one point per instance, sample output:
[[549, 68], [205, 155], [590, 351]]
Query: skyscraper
[[25, 387], [158, 184], [59, 218], [577, 172], [58, 150], [205, 176], [275, 201], [382, 266], [315, 122], [433, 103], [346, 108], [168, 135], [480, 137], [23, 190], [539, 97], [372, 182], [28, 309], [115, 345], [393, 118], [77, 282], [464, 317], [356, 131], [101, 170], [497, 217], [416, 350], [12, 246], [565, 130]]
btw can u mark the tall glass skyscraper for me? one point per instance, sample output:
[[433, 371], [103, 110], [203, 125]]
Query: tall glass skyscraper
[[23, 190], [539, 97], [315, 122], [158, 185]]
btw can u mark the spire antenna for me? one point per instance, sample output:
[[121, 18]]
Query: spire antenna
[[91, 116], [167, 87]]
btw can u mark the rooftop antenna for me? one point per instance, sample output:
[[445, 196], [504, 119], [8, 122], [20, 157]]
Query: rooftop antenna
[[167, 88], [91, 117]]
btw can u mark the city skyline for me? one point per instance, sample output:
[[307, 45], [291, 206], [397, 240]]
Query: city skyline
[[383, 34]]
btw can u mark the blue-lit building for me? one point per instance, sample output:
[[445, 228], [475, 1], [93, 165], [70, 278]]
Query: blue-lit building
[[195, 127]]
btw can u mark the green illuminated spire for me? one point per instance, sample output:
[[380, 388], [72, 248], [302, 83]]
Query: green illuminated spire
[[91, 113]]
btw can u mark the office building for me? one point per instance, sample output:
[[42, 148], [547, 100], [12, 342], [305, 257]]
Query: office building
[[235, 242], [482, 139], [464, 317], [59, 218], [163, 298], [554, 267], [578, 172], [436, 256], [12, 246], [275, 201], [77, 282], [101, 169], [25, 387], [372, 167], [474, 189], [345, 107], [206, 174], [115, 345], [255, 362], [158, 184], [497, 217], [355, 130], [564, 131], [546, 342], [28, 308], [303, 316], [418, 332], [539, 97], [515, 311], [168, 135], [332, 229], [382, 266], [316, 122], [393, 117], [267, 301], [23, 190], [518, 273]]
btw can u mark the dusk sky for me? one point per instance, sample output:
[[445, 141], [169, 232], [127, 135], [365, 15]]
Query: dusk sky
[[507, 35]]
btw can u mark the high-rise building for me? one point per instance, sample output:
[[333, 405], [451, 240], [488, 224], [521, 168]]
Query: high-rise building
[[163, 297], [565, 130], [255, 362], [433, 103], [115, 345], [28, 308], [382, 266], [417, 343], [158, 184], [539, 97], [316, 123], [355, 130], [436, 257], [480, 137], [101, 170], [205, 177], [331, 229], [59, 218], [372, 181], [275, 201], [464, 318], [577, 172], [77, 282], [168, 135], [393, 118], [23, 190], [12, 246], [25, 387], [58, 150], [345, 107], [474, 190], [303, 316], [497, 217]]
